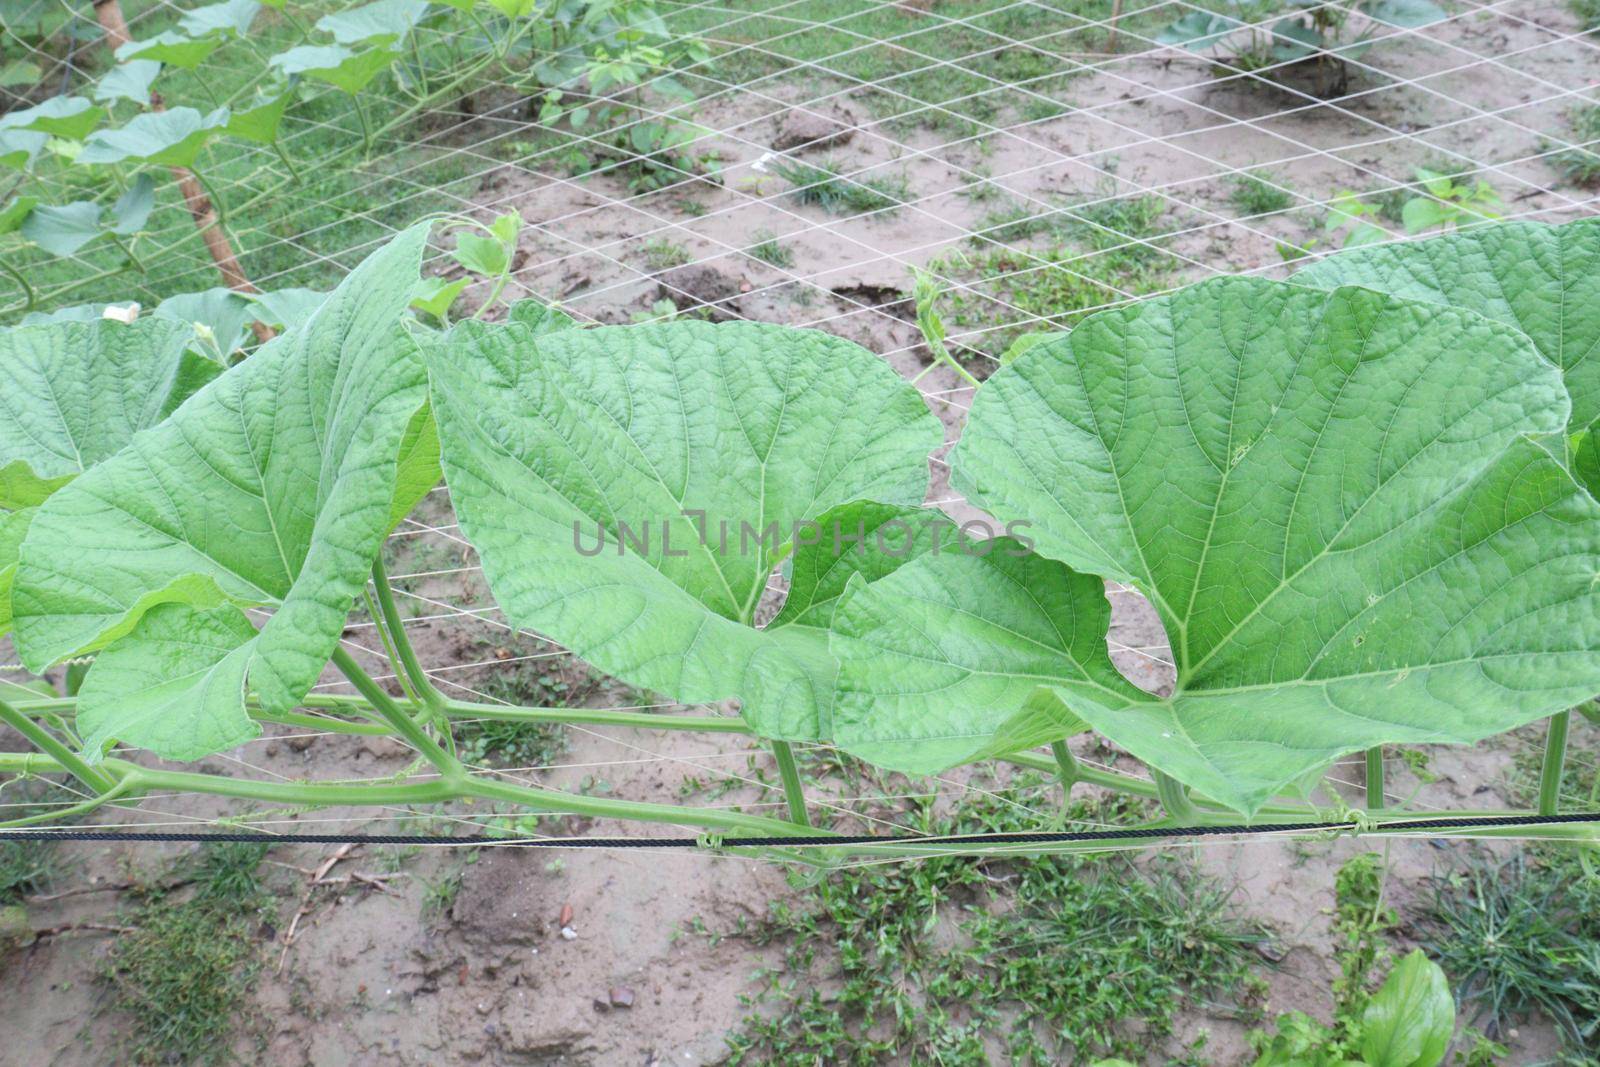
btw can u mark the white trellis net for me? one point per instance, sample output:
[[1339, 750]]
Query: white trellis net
[[1037, 159]]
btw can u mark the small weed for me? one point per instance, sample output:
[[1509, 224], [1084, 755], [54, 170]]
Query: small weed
[[769, 250], [660, 253], [1580, 164], [977, 186], [1588, 12], [1523, 936], [439, 895], [823, 185], [1052, 958], [1016, 222], [183, 974], [1260, 193]]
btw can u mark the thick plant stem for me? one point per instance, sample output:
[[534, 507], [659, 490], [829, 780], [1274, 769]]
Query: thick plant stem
[[402, 644], [1555, 758], [46, 742], [1067, 767], [1375, 778], [1174, 796], [792, 791], [403, 724]]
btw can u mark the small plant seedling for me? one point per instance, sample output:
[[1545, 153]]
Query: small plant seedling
[[1257, 193], [660, 254], [1580, 164], [769, 249], [1449, 203], [822, 184]]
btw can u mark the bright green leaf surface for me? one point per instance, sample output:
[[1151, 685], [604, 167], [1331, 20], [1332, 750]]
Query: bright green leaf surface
[[942, 661], [133, 207], [170, 138], [13, 527], [540, 317], [550, 441], [288, 307], [16, 212], [1409, 1022], [1331, 502], [175, 685], [77, 392], [273, 485], [1542, 279]]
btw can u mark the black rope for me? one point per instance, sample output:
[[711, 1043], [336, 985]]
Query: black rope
[[713, 841]]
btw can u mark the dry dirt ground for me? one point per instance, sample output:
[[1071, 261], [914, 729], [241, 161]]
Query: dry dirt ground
[[376, 976]]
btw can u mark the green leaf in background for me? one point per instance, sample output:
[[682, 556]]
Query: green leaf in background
[[381, 23], [61, 231], [1331, 501], [435, 295], [16, 212], [540, 317], [514, 9], [274, 485], [16, 72], [1198, 30], [335, 64], [171, 48], [742, 431], [287, 307], [175, 685], [231, 18], [941, 662], [1407, 14], [133, 207], [1409, 1022], [77, 392], [171, 138], [1542, 279], [260, 123], [18, 147], [67, 117], [13, 528], [128, 81], [224, 314], [480, 254]]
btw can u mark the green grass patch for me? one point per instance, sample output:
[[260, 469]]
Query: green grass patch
[[1259, 193], [181, 979], [769, 249], [822, 185], [1580, 164], [962, 960]]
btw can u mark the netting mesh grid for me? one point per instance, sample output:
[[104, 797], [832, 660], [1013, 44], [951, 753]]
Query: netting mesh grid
[[1035, 161]]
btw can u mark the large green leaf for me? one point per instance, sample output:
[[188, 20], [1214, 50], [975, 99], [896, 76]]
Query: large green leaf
[[69, 117], [274, 485], [380, 22], [175, 685], [1333, 504], [585, 464], [77, 392], [170, 138], [172, 48], [338, 66], [128, 81], [941, 662], [231, 18], [259, 123], [63, 230], [18, 147], [1542, 279]]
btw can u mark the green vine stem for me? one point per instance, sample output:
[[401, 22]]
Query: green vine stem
[[447, 765], [29, 297], [1555, 758], [47, 743], [402, 644], [1067, 767], [1375, 798], [1174, 797], [792, 790]]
